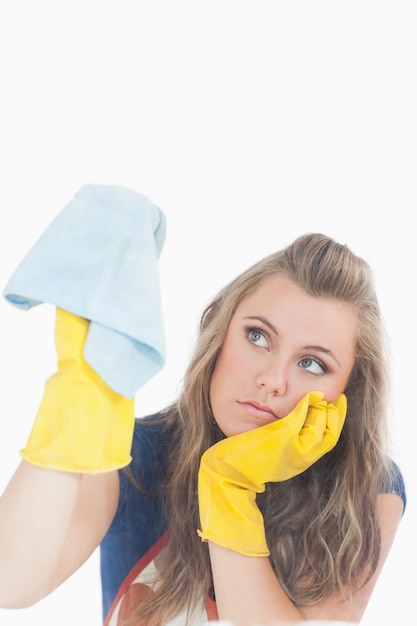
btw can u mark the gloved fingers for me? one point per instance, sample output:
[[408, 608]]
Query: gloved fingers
[[336, 415], [314, 427], [323, 425], [297, 417]]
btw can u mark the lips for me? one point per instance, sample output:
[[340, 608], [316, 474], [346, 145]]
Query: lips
[[259, 410]]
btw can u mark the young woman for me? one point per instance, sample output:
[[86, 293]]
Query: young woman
[[265, 493]]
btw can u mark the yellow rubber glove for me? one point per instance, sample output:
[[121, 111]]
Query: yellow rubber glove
[[82, 425], [235, 469]]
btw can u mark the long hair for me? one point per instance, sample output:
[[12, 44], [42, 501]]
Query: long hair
[[321, 526]]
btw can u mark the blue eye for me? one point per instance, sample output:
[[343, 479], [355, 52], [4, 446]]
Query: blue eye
[[257, 337], [313, 366]]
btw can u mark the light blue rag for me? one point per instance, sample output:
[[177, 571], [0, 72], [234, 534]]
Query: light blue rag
[[98, 259]]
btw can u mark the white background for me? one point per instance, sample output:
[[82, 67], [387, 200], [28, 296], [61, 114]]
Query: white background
[[248, 123]]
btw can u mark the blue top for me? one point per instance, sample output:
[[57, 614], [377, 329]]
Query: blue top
[[137, 532]]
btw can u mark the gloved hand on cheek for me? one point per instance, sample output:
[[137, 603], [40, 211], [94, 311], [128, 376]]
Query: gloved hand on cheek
[[235, 469]]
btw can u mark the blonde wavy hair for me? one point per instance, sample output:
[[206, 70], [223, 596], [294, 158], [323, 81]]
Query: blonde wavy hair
[[321, 526]]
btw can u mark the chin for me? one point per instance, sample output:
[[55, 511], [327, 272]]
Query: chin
[[244, 428]]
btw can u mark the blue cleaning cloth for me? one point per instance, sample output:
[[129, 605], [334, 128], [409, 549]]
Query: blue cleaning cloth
[[98, 259]]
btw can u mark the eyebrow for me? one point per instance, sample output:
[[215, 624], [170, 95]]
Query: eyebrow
[[267, 323], [262, 319]]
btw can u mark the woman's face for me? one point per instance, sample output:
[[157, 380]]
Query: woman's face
[[281, 344]]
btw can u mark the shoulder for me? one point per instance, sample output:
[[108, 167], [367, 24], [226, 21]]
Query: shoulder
[[394, 482]]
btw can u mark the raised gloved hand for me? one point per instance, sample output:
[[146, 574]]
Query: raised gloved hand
[[82, 425], [235, 469]]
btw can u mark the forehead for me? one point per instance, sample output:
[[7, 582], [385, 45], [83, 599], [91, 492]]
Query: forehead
[[287, 305], [278, 288]]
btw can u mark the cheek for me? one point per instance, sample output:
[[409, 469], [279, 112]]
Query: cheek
[[222, 383], [334, 386], [333, 390], [226, 364]]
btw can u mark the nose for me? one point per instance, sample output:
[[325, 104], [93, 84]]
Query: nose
[[273, 379]]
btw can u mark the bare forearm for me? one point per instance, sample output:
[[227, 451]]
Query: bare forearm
[[247, 590], [36, 510]]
